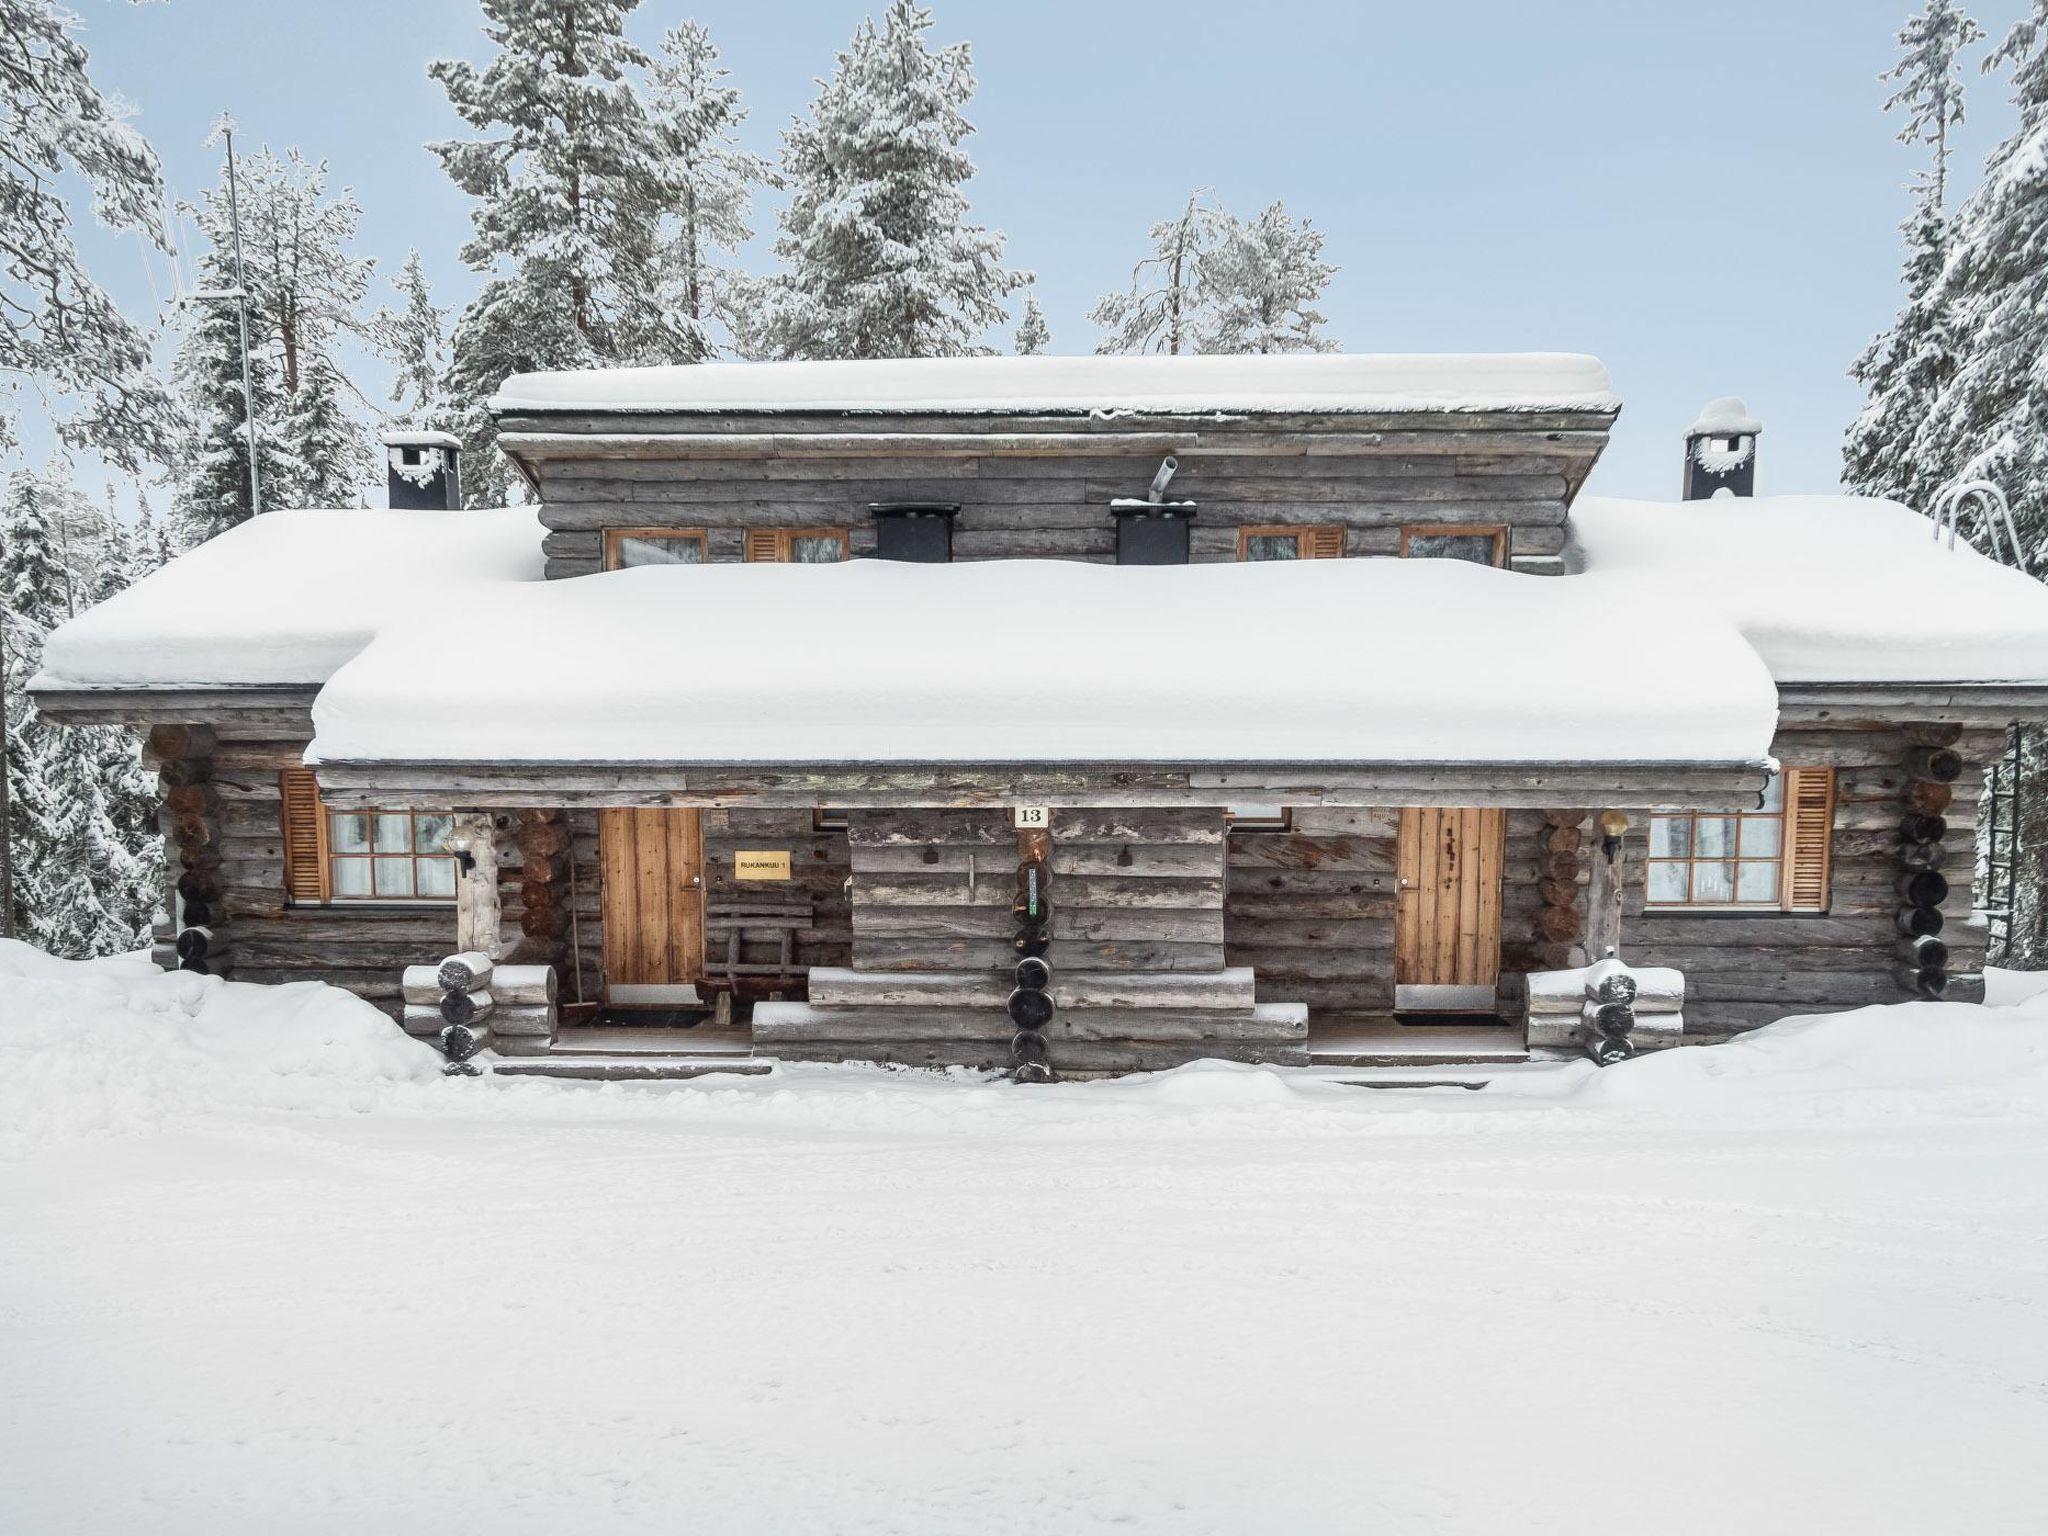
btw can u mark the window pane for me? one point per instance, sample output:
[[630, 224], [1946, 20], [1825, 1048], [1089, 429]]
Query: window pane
[[437, 877], [394, 877], [1759, 881], [1667, 882], [1670, 837], [349, 833], [1475, 547], [1272, 546], [816, 548], [394, 832], [658, 549], [1774, 793], [430, 832], [351, 877], [1713, 883], [1714, 835], [1760, 834]]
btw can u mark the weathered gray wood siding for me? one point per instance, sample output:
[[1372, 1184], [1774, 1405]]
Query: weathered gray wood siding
[[1055, 505], [1311, 909], [1742, 971]]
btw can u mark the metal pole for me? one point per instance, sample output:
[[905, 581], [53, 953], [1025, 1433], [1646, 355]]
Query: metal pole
[[6, 833], [242, 321]]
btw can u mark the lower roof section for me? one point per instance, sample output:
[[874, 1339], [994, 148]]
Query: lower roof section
[[498, 786], [1017, 662]]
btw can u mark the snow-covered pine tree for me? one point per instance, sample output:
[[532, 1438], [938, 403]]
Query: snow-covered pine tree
[[324, 440], [32, 580], [569, 201], [1033, 334], [210, 475], [709, 179], [1168, 306], [1265, 279], [413, 338], [1990, 420], [63, 333], [1905, 368], [879, 258]]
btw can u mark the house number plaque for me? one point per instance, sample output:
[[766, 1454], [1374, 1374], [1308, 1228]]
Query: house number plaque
[[762, 864]]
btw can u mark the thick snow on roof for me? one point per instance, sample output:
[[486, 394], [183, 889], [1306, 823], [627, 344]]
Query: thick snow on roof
[[1526, 381], [1827, 588], [287, 597], [1725, 417], [1026, 661]]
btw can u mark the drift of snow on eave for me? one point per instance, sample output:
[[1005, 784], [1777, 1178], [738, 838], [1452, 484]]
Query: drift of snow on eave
[[869, 661], [285, 598], [1201, 385], [1826, 588]]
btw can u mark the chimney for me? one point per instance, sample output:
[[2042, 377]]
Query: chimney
[[1720, 451], [424, 470]]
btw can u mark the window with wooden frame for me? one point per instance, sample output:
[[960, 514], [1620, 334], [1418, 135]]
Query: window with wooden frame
[[333, 856], [1247, 816], [1323, 541], [1772, 859], [625, 548], [797, 546], [1455, 541]]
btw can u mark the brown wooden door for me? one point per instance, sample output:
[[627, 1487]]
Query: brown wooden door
[[653, 904], [1447, 914]]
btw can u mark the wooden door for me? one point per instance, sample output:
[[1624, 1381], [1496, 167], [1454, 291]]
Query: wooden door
[[1447, 913], [653, 863]]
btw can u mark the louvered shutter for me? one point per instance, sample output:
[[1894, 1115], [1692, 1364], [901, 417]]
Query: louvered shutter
[[1809, 837], [1325, 543], [305, 836], [764, 544]]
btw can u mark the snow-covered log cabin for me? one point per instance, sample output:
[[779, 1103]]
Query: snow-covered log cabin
[[1081, 714]]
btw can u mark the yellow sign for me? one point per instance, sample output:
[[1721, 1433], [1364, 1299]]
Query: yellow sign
[[761, 864]]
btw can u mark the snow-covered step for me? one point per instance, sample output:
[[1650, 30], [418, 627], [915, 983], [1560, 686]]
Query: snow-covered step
[[1389, 1044], [641, 1068]]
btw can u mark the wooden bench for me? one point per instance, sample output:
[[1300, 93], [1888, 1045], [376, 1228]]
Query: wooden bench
[[758, 922]]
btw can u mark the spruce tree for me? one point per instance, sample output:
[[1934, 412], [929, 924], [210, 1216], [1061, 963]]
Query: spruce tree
[[413, 339], [880, 260], [708, 186], [1990, 419], [62, 333], [325, 442], [1905, 368], [1169, 306], [1033, 334], [1265, 279], [31, 605]]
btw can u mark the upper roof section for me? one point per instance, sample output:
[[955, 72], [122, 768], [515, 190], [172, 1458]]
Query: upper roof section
[[1307, 384]]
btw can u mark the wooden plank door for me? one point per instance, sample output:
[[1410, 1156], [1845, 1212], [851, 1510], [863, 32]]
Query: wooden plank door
[[653, 863], [1447, 913]]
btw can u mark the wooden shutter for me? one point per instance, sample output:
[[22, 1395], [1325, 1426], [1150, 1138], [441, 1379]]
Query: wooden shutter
[[1809, 837], [1325, 543], [764, 544], [305, 836]]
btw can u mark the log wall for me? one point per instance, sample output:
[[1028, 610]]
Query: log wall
[[1742, 971], [1058, 507]]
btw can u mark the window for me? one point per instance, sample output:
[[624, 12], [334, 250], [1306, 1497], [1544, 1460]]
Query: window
[[797, 546], [628, 547], [1772, 859], [345, 856], [919, 533], [1245, 816], [1322, 542], [1481, 546]]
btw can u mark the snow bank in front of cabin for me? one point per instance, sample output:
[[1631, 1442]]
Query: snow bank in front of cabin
[[116, 1046], [1032, 661], [1827, 588], [285, 598], [1310, 382]]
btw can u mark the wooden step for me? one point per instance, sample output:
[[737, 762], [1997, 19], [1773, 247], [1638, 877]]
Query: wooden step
[[839, 987], [624, 1069]]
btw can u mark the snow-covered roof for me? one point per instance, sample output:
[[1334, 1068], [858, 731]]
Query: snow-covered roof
[[285, 598], [1029, 661], [1826, 588], [1725, 417], [401, 437], [1528, 381]]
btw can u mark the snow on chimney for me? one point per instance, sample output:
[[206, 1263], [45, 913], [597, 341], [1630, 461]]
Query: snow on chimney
[[1720, 451], [424, 470]]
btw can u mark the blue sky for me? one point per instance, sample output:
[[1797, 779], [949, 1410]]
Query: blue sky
[[1705, 197]]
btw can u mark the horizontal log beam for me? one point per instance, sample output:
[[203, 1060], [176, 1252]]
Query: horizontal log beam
[[288, 709]]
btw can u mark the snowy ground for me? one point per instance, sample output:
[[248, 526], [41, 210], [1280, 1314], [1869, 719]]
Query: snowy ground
[[262, 1271]]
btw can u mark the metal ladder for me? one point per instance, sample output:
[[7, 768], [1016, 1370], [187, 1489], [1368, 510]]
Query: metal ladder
[[1999, 869]]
